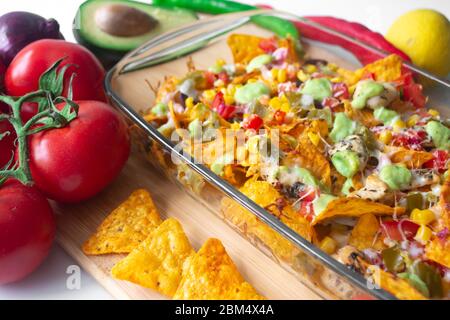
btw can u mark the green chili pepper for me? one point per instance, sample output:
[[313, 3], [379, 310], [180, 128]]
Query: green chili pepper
[[392, 259], [281, 27], [430, 275]]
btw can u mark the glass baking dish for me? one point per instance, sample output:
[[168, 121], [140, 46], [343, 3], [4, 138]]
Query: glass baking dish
[[204, 42]]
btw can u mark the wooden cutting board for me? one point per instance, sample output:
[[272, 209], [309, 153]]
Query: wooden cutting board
[[77, 223]]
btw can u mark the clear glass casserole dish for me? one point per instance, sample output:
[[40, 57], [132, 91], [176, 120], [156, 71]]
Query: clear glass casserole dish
[[204, 42]]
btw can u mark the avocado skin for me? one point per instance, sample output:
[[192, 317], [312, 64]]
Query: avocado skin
[[107, 57]]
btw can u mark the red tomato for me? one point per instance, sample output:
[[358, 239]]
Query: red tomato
[[340, 90], [32, 61], [6, 143], [27, 229], [399, 230], [279, 116], [76, 162], [253, 122], [268, 45], [439, 161], [221, 108]]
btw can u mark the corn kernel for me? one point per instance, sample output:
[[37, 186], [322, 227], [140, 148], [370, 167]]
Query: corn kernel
[[423, 234], [385, 137], [229, 99], [302, 76], [209, 95], [253, 144], [275, 103], [328, 245], [434, 113], [189, 102], [252, 80], [337, 79], [310, 68], [231, 89], [315, 139], [220, 62], [422, 217], [411, 122], [333, 66], [235, 126], [282, 76], [274, 73], [398, 125]]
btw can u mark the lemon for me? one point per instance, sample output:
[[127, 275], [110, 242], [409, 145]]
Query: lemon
[[424, 35]]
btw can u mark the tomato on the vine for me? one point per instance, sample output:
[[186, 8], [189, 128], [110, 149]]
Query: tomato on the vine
[[22, 75], [27, 230], [77, 161]]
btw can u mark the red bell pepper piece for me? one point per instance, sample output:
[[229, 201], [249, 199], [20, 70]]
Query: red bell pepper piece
[[399, 230], [253, 122], [439, 161], [224, 110]]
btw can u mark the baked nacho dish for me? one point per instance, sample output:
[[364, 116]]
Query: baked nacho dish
[[354, 161]]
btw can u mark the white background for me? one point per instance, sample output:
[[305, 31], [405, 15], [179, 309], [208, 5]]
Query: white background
[[49, 281]]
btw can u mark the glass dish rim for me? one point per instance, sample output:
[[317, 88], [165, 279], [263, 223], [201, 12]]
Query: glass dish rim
[[305, 246]]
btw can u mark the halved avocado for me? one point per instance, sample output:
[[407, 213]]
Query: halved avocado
[[111, 28]]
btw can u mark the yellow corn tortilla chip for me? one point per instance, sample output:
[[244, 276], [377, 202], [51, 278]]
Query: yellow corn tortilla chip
[[157, 263], [126, 227], [244, 47], [444, 203], [308, 156], [386, 69], [364, 233], [364, 116], [264, 194], [411, 158], [354, 207], [396, 286], [212, 275], [439, 251]]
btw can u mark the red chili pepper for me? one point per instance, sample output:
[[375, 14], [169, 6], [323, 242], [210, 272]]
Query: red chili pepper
[[253, 122], [399, 230], [351, 29], [439, 161], [218, 105], [279, 116], [330, 102]]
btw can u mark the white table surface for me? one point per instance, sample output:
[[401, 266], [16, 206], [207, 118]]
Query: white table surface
[[49, 281]]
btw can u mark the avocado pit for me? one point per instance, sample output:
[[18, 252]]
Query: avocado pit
[[123, 21]]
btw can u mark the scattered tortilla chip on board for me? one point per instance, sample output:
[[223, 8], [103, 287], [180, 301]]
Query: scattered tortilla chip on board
[[157, 263], [355, 207], [126, 227], [364, 233], [244, 47], [212, 275], [396, 286]]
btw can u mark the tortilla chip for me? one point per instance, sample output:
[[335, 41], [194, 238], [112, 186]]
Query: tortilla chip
[[212, 275], [354, 207], [157, 263], [396, 286], [411, 158], [387, 69], [364, 233], [264, 194], [364, 116], [444, 203], [308, 156], [439, 251], [244, 47], [126, 227]]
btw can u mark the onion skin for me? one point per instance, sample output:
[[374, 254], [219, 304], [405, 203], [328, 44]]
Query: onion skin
[[19, 28]]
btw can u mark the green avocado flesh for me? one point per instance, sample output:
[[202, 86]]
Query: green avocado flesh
[[87, 30]]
